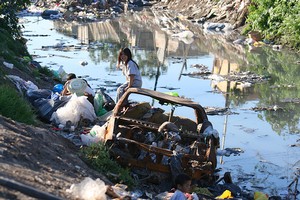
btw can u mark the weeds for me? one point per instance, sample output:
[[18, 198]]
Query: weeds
[[46, 71], [97, 155]]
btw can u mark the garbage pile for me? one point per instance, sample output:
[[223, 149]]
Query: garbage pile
[[89, 189], [65, 112]]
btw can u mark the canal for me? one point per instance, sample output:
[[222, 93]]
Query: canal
[[259, 119]]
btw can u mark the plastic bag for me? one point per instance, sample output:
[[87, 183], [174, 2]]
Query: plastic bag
[[22, 85], [96, 134], [60, 73], [98, 104], [108, 102], [33, 95], [76, 108], [30, 85], [209, 131], [46, 107], [89, 189]]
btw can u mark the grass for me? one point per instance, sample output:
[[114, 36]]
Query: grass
[[97, 156], [14, 106]]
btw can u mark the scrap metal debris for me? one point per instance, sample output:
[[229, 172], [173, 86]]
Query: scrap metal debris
[[143, 136]]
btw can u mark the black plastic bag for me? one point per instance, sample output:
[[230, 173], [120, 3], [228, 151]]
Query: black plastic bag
[[46, 107], [33, 95], [108, 102]]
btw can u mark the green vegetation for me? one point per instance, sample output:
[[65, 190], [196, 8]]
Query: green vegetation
[[44, 71], [277, 20], [8, 18], [12, 43], [14, 106], [11, 50], [97, 156]]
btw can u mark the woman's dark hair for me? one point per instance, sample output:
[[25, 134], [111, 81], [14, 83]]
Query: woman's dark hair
[[182, 179], [128, 53], [71, 76]]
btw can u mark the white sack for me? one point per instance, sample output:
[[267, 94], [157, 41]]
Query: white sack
[[89, 189], [76, 108]]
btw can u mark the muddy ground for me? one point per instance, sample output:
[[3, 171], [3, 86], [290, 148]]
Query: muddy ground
[[41, 158]]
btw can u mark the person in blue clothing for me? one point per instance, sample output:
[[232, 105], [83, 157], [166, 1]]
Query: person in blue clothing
[[183, 186], [131, 71]]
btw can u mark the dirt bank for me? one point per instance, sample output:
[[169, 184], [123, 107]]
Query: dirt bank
[[40, 158]]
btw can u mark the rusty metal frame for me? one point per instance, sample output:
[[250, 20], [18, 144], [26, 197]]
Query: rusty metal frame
[[208, 159]]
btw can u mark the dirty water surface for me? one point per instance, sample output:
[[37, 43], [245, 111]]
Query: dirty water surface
[[251, 95]]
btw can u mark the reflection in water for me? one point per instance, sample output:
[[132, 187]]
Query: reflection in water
[[283, 90], [89, 32], [224, 67]]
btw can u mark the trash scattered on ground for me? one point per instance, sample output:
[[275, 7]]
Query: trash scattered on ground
[[95, 135], [8, 65], [89, 189]]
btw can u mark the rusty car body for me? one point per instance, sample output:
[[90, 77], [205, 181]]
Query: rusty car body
[[144, 136]]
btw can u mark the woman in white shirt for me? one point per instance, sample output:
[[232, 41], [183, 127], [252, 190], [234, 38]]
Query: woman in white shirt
[[131, 71]]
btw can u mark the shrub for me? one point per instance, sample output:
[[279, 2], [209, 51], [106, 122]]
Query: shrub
[[277, 20], [14, 106]]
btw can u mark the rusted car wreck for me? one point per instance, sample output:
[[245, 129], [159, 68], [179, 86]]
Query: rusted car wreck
[[144, 136]]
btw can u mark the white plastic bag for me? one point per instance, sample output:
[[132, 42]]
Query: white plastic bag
[[89, 189], [76, 108], [62, 73], [95, 135]]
